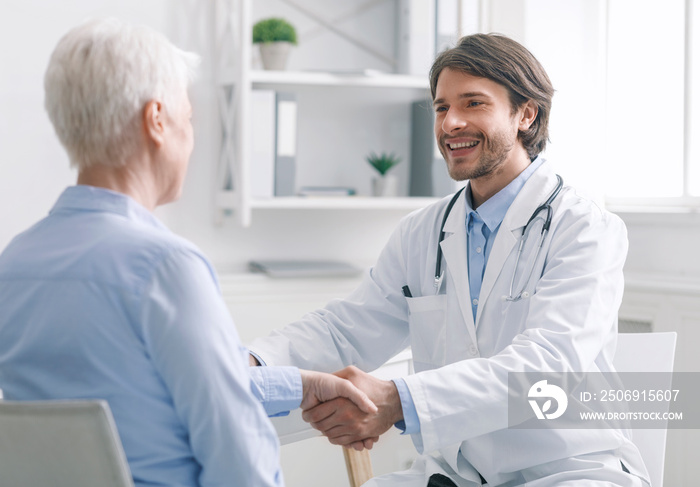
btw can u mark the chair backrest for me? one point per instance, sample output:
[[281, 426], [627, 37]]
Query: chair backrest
[[61, 444], [648, 352]]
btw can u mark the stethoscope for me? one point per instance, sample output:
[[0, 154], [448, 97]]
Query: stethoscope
[[546, 206]]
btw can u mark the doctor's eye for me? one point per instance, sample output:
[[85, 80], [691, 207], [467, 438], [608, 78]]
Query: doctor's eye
[[474, 103], [439, 109]]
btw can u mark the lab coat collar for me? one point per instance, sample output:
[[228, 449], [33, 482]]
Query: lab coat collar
[[454, 247], [493, 210], [454, 250], [535, 191]]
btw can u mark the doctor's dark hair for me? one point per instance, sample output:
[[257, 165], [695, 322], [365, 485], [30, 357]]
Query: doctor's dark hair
[[508, 63]]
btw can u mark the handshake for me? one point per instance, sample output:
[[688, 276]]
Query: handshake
[[350, 407]]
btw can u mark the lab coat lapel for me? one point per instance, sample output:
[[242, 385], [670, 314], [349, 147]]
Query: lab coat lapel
[[533, 194], [454, 249]]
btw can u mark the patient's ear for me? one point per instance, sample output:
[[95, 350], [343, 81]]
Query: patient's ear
[[154, 122]]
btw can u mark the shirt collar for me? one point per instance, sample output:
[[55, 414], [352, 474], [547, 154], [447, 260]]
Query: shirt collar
[[91, 198], [493, 210]]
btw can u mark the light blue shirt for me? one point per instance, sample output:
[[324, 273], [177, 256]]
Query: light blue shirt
[[100, 300], [482, 225]]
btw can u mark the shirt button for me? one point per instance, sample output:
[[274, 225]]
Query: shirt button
[[478, 250], [473, 350], [475, 302]]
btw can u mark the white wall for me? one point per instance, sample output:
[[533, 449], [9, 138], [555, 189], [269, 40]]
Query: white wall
[[664, 243]]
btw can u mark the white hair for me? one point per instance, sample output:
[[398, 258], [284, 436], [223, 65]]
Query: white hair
[[99, 78]]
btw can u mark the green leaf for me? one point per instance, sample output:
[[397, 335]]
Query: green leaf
[[274, 30], [383, 162]]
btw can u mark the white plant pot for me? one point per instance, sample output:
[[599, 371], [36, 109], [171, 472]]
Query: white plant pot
[[386, 186], [274, 55]]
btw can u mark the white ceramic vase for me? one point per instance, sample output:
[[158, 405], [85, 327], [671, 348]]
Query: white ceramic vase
[[386, 186], [274, 55]]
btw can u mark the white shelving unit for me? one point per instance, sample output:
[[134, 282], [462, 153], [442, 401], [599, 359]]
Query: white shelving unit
[[318, 92], [226, 199], [300, 78]]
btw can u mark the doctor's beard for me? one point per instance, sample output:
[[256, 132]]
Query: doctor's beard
[[493, 154]]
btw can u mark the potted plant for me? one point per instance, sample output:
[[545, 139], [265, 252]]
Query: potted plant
[[275, 36], [385, 184]]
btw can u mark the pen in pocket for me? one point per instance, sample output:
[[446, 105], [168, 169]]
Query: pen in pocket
[[406, 291]]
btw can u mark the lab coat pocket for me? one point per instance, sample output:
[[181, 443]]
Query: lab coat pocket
[[515, 314], [427, 319]]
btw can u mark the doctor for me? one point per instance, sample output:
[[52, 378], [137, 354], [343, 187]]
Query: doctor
[[513, 274]]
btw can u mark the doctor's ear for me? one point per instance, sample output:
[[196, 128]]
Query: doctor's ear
[[527, 114]]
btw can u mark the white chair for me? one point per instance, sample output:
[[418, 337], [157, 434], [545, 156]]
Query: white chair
[[648, 352], [61, 444]]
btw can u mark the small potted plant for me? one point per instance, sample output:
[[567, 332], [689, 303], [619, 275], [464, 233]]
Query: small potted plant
[[385, 184], [276, 36]]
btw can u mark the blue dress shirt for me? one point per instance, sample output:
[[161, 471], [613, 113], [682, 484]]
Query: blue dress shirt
[[482, 225], [100, 300]]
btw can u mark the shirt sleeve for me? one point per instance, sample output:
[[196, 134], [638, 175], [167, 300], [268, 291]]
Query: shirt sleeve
[[279, 389], [195, 348], [410, 424]]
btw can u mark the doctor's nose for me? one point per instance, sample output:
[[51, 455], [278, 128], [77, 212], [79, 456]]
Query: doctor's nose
[[454, 122]]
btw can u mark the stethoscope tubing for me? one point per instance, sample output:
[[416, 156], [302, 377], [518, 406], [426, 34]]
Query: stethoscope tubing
[[546, 206], [438, 263]]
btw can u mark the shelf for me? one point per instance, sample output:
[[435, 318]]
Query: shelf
[[373, 105], [315, 78], [226, 200]]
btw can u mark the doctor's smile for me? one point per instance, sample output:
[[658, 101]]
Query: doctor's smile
[[461, 147]]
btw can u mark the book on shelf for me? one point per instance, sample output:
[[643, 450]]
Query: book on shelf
[[326, 191], [273, 143], [429, 176], [262, 144], [304, 268], [285, 144]]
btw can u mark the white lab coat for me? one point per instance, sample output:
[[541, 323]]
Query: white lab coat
[[460, 389]]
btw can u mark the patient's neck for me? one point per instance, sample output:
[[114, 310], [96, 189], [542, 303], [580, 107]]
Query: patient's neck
[[131, 179]]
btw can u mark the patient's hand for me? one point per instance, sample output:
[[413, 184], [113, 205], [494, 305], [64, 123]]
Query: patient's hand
[[346, 424], [319, 387]]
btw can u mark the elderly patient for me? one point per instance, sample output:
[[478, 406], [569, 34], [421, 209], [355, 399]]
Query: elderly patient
[[100, 300]]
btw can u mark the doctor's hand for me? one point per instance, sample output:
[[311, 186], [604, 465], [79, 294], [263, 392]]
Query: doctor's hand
[[319, 387], [345, 424]]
